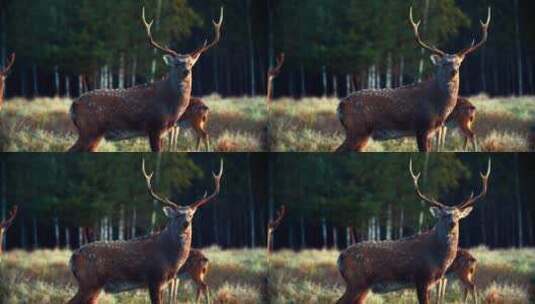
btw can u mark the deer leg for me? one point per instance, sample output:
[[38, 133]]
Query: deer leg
[[422, 138], [155, 140], [155, 293], [443, 139], [423, 293], [85, 297], [438, 291], [175, 142]]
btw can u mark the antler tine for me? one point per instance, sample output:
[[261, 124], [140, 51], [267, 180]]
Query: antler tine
[[217, 30], [484, 36], [154, 44], [9, 64], [280, 215], [415, 178], [217, 182], [148, 178], [415, 26], [5, 224], [276, 70], [484, 180]]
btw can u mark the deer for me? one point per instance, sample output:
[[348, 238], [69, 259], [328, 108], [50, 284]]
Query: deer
[[196, 117], [462, 117], [271, 75], [3, 76], [4, 225], [146, 110], [417, 110], [272, 226], [464, 269], [418, 261], [147, 262], [195, 268]]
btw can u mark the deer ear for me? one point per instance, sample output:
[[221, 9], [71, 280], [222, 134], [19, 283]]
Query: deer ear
[[435, 212], [435, 59], [168, 59], [465, 212], [169, 212]]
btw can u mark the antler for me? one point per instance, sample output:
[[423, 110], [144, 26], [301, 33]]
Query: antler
[[415, 178], [484, 36], [5, 224], [9, 64], [415, 27], [274, 72], [485, 180], [217, 30], [217, 182], [155, 196], [154, 44], [276, 222]]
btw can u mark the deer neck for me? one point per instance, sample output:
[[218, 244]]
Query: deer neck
[[177, 244], [447, 86], [179, 88], [445, 242]]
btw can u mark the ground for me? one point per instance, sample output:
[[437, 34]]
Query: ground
[[43, 276], [311, 276], [44, 125], [502, 124]]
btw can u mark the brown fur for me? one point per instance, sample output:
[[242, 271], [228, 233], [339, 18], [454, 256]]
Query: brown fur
[[196, 267], [197, 115], [462, 117]]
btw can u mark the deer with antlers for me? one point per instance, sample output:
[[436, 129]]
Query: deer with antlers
[[147, 262], [462, 117], [196, 118], [195, 268], [3, 76], [416, 110], [272, 226], [4, 225], [272, 74], [146, 110], [418, 261], [463, 268]]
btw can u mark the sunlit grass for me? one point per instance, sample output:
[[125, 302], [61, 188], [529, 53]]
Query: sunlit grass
[[502, 124], [44, 125], [311, 276], [43, 276]]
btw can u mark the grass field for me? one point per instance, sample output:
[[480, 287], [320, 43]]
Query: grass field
[[43, 276], [502, 124], [503, 276], [43, 125]]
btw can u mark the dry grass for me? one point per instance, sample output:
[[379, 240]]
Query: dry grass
[[502, 125], [43, 125], [311, 276], [43, 276]]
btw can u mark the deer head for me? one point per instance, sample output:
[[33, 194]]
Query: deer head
[[6, 224], [274, 72], [448, 65], [181, 64], [180, 217], [274, 224], [449, 217]]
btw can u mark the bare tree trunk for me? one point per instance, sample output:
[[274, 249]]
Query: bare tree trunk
[[422, 51], [121, 230], [251, 203], [324, 80], [518, 203], [35, 236], [335, 86], [483, 72], [80, 84], [133, 79], [67, 238], [303, 232], [56, 81], [348, 236], [67, 86], [80, 236], [215, 69], [529, 66], [389, 222], [23, 90], [335, 238], [348, 84], [56, 232], [110, 228], [133, 225], [35, 81], [401, 222], [518, 50], [303, 87], [401, 70], [324, 232], [121, 75], [251, 49], [388, 83], [23, 240]]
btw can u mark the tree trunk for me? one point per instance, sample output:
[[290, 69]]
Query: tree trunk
[[67, 238], [423, 32], [335, 86], [389, 222], [80, 236], [324, 232], [335, 238], [303, 86], [56, 232], [121, 228], [518, 50], [35, 80], [35, 236], [401, 70], [324, 80], [57, 93], [121, 73], [348, 84], [483, 72], [67, 86], [133, 79], [303, 232], [401, 222], [23, 240], [215, 69], [529, 67], [518, 199], [133, 225], [251, 203], [251, 50], [388, 83], [348, 236], [155, 203]]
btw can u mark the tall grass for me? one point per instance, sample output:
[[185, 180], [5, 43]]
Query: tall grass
[[502, 125], [43, 125], [43, 276], [311, 276]]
